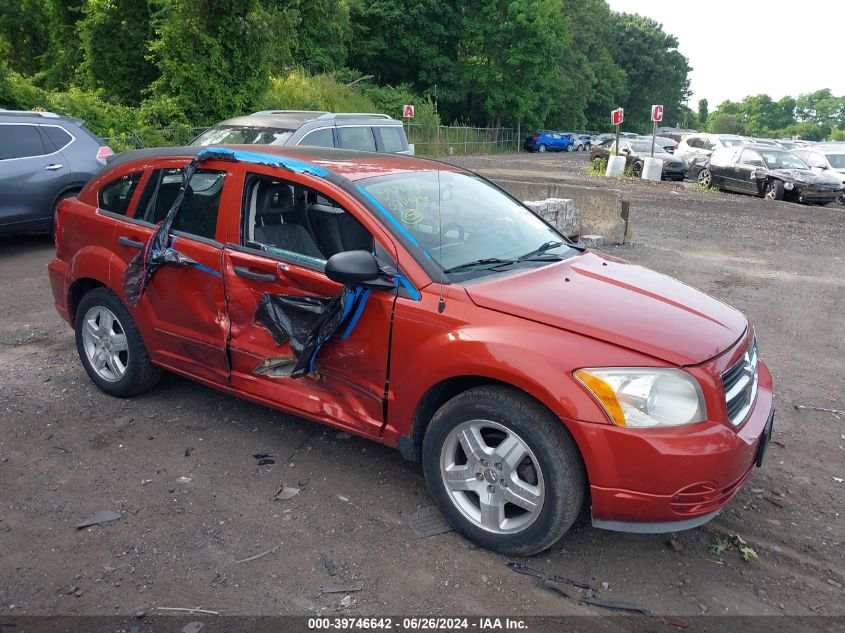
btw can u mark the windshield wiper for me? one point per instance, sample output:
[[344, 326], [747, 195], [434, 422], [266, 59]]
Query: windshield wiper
[[479, 262], [547, 247]]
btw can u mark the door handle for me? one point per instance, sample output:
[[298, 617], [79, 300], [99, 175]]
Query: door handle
[[243, 271], [125, 241], [53, 167]]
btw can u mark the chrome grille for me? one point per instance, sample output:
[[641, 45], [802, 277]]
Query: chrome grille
[[740, 384]]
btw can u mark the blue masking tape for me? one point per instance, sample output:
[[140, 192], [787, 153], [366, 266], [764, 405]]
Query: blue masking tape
[[258, 158]]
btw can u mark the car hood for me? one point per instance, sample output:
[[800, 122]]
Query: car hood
[[615, 301], [808, 176], [666, 157]]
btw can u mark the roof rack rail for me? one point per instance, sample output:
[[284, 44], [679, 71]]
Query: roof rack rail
[[45, 114], [371, 115], [266, 112]]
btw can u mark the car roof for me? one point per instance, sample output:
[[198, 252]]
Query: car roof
[[297, 118], [764, 147], [351, 164], [35, 116]]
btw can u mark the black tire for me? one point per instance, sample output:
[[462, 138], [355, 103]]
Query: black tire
[[140, 374], [637, 169], [705, 178], [542, 147], [773, 190], [557, 457]]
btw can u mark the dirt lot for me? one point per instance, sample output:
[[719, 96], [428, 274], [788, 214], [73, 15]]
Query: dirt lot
[[178, 462]]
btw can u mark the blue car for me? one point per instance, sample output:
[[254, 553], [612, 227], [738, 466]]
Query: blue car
[[549, 142]]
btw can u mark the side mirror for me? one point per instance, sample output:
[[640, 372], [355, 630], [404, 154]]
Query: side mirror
[[822, 167], [625, 150], [355, 268]]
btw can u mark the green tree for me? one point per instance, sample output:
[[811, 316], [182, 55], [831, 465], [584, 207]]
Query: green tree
[[23, 27], [64, 52], [703, 111], [657, 72], [509, 58], [212, 56], [725, 123], [122, 72]]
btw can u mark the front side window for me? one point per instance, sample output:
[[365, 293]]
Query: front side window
[[751, 158], [20, 141], [293, 220], [463, 223], [200, 206], [243, 135], [116, 195], [360, 138]]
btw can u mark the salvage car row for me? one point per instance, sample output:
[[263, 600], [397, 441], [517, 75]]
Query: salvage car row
[[810, 174]]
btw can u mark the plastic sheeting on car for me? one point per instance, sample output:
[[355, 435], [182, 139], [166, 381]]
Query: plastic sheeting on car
[[158, 250], [307, 322]]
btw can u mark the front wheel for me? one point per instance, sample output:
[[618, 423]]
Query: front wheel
[[542, 148], [110, 346], [503, 470], [774, 190]]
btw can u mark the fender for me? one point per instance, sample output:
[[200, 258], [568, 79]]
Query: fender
[[89, 262]]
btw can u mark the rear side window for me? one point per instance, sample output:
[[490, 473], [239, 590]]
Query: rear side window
[[57, 136], [357, 138], [318, 138], [20, 141], [116, 195], [200, 207], [392, 138]]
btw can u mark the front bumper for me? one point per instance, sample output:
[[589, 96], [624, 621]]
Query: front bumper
[[659, 480], [817, 195]]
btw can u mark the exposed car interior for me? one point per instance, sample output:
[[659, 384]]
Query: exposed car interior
[[297, 219], [199, 207]]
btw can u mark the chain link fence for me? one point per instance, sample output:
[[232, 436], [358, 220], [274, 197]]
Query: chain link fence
[[428, 140], [448, 140]]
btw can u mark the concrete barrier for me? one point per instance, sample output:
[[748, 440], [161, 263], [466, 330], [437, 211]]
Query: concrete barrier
[[601, 211]]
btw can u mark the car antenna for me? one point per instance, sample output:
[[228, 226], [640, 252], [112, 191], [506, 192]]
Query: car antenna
[[441, 305]]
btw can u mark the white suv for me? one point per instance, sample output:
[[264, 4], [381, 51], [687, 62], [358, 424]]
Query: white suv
[[695, 145]]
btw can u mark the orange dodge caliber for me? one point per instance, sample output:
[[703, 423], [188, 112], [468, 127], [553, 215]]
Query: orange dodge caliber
[[417, 304]]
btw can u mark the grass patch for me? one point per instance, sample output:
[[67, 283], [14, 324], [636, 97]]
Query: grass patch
[[597, 167]]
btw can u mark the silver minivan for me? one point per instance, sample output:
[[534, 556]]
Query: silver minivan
[[344, 130]]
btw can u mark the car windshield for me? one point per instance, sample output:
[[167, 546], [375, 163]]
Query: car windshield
[[644, 147], [734, 142], [466, 225], [783, 160], [243, 135], [837, 161]]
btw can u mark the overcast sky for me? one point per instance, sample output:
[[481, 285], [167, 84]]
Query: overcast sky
[[745, 47]]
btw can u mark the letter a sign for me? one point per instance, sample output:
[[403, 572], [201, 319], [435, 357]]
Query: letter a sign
[[408, 111], [657, 113]]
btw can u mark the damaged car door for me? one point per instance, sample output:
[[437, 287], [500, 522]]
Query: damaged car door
[[288, 227], [186, 303]]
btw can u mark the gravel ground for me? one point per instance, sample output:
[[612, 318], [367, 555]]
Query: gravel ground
[[178, 462]]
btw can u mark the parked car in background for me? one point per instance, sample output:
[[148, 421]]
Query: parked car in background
[[344, 130], [694, 145], [545, 141], [547, 377], [823, 158], [765, 171], [583, 142], [44, 158], [635, 150], [665, 142]]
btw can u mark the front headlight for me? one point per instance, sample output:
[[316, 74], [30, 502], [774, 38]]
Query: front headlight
[[645, 397]]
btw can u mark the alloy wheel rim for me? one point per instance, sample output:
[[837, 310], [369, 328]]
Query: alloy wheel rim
[[770, 191], [105, 344], [492, 476], [704, 178]]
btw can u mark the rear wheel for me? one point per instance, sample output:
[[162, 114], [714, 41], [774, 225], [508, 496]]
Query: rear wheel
[[705, 178], [542, 148], [503, 470], [637, 169], [774, 190], [110, 346]]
